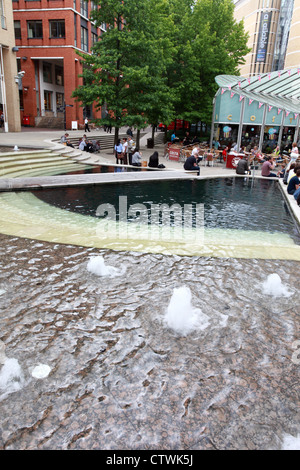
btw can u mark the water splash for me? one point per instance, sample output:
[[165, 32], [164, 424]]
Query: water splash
[[96, 265], [291, 442], [273, 286], [181, 316], [11, 377]]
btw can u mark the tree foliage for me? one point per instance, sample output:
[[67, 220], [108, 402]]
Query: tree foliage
[[158, 59]]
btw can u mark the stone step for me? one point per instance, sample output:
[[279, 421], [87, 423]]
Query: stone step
[[46, 170], [6, 162], [29, 164]]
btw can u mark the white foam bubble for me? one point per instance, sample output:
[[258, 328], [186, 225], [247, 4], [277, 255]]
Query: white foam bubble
[[273, 286], [41, 371], [96, 265], [181, 316]]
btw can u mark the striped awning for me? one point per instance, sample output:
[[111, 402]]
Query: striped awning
[[279, 89]]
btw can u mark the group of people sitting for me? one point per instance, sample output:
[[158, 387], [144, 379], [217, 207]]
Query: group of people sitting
[[290, 172], [84, 143], [293, 181], [89, 146]]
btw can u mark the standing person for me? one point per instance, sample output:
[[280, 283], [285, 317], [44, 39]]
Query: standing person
[[119, 151], [224, 154], [294, 155], [86, 125], [129, 132], [130, 149], [125, 149], [266, 168]]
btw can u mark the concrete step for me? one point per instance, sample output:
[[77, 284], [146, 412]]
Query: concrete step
[[28, 165], [47, 171]]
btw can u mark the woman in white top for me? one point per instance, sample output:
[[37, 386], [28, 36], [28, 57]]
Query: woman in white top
[[294, 155], [119, 151]]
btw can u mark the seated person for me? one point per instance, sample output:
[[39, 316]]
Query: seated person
[[276, 152], [266, 168], [136, 157], [281, 172], [85, 145], [294, 183], [153, 160], [96, 145], [187, 140], [174, 138], [292, 171], [191, 164], [242, 166], [65, 140]]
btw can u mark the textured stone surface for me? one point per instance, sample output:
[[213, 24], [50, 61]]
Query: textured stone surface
[[120, 378]]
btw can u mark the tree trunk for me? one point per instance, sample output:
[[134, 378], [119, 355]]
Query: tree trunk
[[138, 133], [116, 137]]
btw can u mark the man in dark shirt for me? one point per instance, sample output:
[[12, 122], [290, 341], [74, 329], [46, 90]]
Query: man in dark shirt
[[191, 164], [242, 166], [294, 183]]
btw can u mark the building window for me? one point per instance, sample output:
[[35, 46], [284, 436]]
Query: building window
[[84, 8], [57, 28], [94, 38], [17, 26], [84, 39], [47, 72], [59, 75], [59, 101], [48, 100], [3, 19], [35, 29]]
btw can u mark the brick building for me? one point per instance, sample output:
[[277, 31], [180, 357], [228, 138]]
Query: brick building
[[9, 97], [48, 34]]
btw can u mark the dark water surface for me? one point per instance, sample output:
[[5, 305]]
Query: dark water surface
[[228, 203]]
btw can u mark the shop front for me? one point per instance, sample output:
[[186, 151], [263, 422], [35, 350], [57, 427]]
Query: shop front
[[257, 111]]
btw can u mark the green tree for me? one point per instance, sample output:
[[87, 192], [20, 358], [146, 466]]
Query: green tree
[[218, 46], [126, 71]]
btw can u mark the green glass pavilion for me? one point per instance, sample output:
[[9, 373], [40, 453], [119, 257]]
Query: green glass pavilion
[[262, 110]]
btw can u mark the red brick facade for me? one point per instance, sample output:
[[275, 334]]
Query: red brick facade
[[48, 34]]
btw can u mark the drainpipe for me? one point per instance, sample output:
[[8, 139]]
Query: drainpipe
[[212, 131], [262, 130], [281, 129], [297, 129], [239, 139]]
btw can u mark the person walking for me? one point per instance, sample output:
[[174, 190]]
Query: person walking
[[86, 125]]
